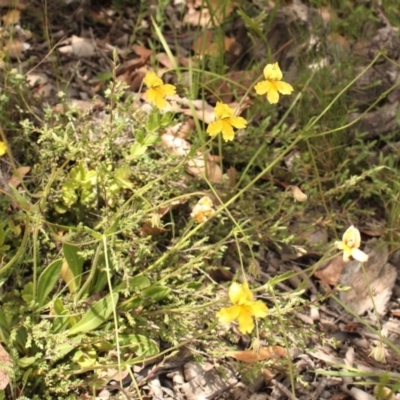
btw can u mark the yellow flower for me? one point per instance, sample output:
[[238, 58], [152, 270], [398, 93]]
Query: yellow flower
[[272, 85], [203, 210], [350, 244], [225, 122], [3, 148], [244, 308], [379, 353], [157, 90]]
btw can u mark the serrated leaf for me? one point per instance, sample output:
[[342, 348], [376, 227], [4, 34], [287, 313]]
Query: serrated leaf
[[153, 121], [137, 150], [98, 313], [150, 139], [47, 280], [69, 195]]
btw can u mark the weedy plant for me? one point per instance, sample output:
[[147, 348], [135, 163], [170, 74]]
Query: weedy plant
[[108, 249]]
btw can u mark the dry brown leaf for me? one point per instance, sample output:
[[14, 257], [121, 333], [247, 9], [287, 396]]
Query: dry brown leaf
[[297, 193], [207, 114], [330, 275], [164, 60], [199, 17], [17, 177], [196, 166], [199, 167], [204, 45], [251, 356], [147, 229], [14, 48], [175, 145], [5, 360], [181, 129], [142, 51], [82, 47], [12, 17]]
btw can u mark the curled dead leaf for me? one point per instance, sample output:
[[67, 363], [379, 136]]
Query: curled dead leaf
[[200, 167], [298, 194], [264, 353]]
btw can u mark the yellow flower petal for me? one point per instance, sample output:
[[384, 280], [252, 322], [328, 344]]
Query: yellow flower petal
[[3, 148], [272, 72], [246, 323], [222, 111], [259, 309], [284, 87], [152, 80], [339, 245], [347, 254], [238, 122], [228, 314], [214, 128], [227, 130], [262, 87], [359, 255], [203, 210], [151, 95], [167, 90], [273, 95], [352, 237], [160, 102], [240, 294]]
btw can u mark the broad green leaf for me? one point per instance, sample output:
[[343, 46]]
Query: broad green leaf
[[47, 280], [99, 281], [25, 362], [27, 292], [75, 265], [156, 293], [141, 345], [134, 283], [63, 349], [85, 359], [98, 313]]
